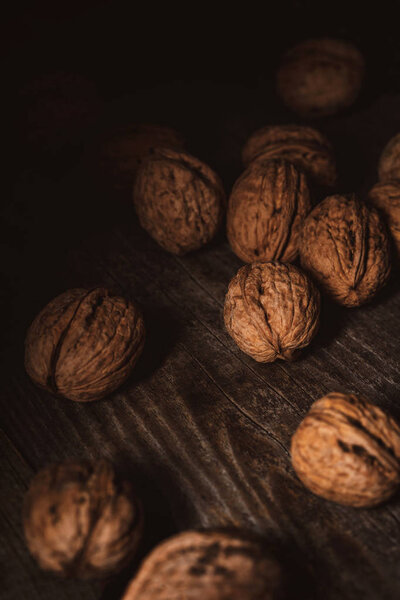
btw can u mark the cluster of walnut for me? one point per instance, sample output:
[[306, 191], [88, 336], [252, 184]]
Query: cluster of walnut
[[79, 520]]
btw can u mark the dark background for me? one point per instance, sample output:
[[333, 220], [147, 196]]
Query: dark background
[[211, 74]]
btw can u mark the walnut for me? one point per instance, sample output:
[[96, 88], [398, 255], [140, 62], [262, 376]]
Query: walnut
[[306, 148], [345, 246], [386, 197], [320, 76], [84, 344], [347, 450], [208, 565], [179, 200], [389, 162], [121, 153], [266, 212], [271, 310], [80, 521]]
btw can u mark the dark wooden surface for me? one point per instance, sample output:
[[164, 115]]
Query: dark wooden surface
[[200, 428]]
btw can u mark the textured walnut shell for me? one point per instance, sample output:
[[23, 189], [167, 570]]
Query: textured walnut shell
[[266, 211], [84, 344], [386, 197], [122, 152], [306, 148], [179, 200], [207, 566], [271, 310], [80, 521], [320, 76], [347, 450], [345, 246], [389, 162]]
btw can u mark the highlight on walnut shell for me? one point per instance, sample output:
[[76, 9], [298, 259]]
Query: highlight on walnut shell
[[385, 196], [179, 200], [271, 310], [84, 344], [211, 565], [80, 520], [348, 450], [266, 210], [344, 245], [389, 162], [305, 147], [319, 77], [121, 152]]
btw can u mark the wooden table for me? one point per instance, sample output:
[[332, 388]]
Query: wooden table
[[201, 429]]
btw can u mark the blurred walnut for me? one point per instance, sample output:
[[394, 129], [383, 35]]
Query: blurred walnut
[[179, 200], [345, 246], [320, 76], [79, 521], [348, 451], [266, 211], [271, 310], [84, 344], [389, 162], [122, 152], [306, 148], [386, 197], [207, 565]]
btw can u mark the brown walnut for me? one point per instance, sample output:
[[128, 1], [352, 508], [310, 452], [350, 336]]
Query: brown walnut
[[306, 148], [266, 211], [207, 565], [80, 521], [271, 310], [347, 450], [179, 200], [122, 152], [385, 196], [389, 162], [345, 246], [84, 344], [320, 76]]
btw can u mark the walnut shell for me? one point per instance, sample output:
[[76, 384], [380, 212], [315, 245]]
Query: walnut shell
[[179, 200], [123, 151], [345, 246], [320, 76], [271, 310], [207, 565], [389, 162], [80, 521], [84, 344], [385, 196], [266, 211], [306, 148], [347, 450]]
